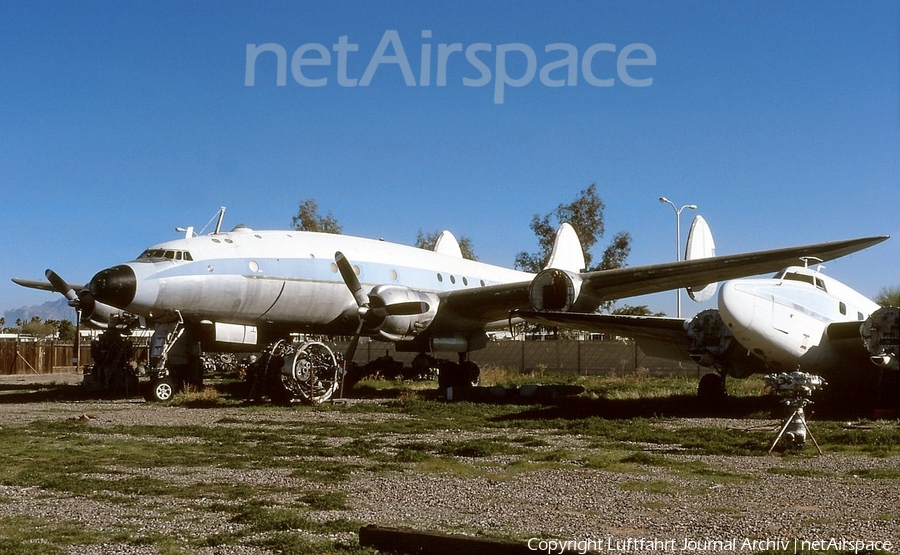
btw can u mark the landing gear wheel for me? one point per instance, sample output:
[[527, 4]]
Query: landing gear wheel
[[452, 374], [470, 373], [448, 375], [711, 389], [161, 390]]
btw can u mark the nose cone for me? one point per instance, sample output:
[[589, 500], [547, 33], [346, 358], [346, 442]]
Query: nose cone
[[114, 286], [736, 306]]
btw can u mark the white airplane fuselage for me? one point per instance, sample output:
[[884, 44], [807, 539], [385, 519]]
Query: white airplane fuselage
[[287, 278], [784, 320]]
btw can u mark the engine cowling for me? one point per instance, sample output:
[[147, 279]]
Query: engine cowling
[[399, 319], [714, 346], [555, 290], [881, 336]]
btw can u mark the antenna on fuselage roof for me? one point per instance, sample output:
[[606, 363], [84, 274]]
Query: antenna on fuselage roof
[[807, 259], [221, 215]]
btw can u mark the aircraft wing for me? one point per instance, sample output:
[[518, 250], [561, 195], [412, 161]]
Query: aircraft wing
[[641, 280], [471, 308], [33, 284]]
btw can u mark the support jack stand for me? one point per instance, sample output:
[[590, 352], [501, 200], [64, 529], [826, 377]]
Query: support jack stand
[[797, 387], [795, 428]]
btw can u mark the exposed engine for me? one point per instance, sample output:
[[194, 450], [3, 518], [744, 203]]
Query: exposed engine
[[710, 338], [399, 313], [555, 290], [881, 336], [713, 345], [309, 371]]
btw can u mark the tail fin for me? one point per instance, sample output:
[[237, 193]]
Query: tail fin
[[447, 244], [567, 253], [700, 244]]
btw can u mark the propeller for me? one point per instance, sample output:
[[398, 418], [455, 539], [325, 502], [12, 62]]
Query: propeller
[[371, 308], [60, 285]]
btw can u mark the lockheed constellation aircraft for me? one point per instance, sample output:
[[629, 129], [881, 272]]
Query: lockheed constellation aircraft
[[252, 289]]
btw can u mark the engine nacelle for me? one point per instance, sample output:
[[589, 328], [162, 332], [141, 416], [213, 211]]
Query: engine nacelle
[[554, 290], [713, 345], [881, 336], [406, 312], [710, 338]]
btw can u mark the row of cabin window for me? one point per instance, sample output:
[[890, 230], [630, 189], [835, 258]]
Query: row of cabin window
[[465, 280]]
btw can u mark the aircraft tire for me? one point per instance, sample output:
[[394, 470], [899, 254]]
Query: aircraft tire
[[711, 389], [161, 390], [470, 373], [446, 375]]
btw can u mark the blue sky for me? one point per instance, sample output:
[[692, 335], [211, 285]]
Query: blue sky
[[123, 120]]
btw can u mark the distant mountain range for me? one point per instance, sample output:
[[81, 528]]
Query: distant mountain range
[[51, 310]]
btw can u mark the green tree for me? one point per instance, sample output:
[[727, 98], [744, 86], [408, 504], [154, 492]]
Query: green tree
[[639, 310], [36, 328], [618, 250], [309, 219], [65, 329], [585, 215], [428, 240], [889, 296]]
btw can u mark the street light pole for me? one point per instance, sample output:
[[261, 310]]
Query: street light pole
[[677, 210]]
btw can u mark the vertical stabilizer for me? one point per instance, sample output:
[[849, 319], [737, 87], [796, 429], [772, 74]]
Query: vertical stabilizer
[[447, 244], [567, 253], [700, 244]]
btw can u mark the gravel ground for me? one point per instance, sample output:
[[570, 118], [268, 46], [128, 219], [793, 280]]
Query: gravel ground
[[806, 499]]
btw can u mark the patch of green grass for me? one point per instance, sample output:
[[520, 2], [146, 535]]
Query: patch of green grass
[[478, 448], [553, 456], [42, 536], [642, 457], [325, 471], [325, 500], [259, 518]]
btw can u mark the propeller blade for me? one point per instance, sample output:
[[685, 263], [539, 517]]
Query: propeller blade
[[351, 350], [61, 286], [350, 279]]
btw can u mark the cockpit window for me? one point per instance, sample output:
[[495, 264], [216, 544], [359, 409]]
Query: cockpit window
[[163, 254], [805, 278]]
